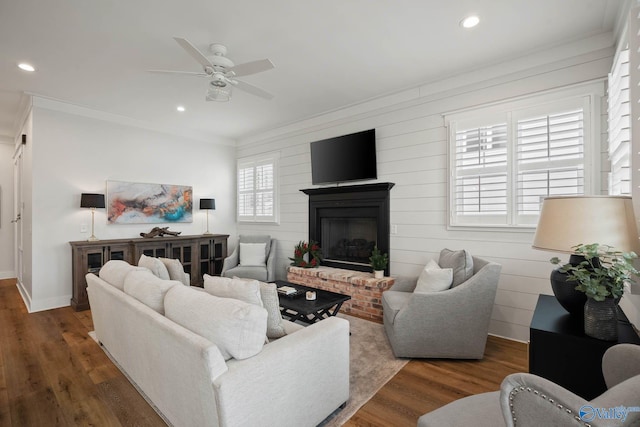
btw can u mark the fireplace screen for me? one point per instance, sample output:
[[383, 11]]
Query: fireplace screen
[[348, 239]]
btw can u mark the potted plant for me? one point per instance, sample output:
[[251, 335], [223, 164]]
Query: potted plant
[[379, 262], [602, 276]]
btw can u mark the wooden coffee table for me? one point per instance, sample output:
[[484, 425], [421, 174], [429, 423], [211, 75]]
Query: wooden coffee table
[[295, 308]]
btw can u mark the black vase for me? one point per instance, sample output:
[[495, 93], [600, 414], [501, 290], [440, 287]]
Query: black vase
[[601, 319], [565, 291]]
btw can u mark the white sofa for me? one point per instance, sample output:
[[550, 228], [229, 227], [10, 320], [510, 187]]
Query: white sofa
[[297, 380]]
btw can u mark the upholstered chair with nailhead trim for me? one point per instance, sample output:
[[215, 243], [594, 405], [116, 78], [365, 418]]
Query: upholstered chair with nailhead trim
[[527, 400]]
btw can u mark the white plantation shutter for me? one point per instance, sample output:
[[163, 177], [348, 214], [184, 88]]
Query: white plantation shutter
[[619, 133], [550, 158], [257, 189], [505, 159], [481, 172]]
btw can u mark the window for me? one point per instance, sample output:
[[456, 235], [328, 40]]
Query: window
[[619, 135], [505, 159], [257, 189]]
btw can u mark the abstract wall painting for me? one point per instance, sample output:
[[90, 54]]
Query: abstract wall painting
[[139, 203]]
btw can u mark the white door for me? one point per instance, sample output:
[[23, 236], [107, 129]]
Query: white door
[[18, 211]]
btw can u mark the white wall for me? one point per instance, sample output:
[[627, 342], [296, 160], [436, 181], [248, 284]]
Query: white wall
[[72, 154], [412, 153], [6, 209]]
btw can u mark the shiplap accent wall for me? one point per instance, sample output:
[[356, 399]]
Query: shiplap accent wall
[[412, 153]]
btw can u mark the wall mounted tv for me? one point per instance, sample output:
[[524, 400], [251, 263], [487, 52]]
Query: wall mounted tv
[[344, 158]]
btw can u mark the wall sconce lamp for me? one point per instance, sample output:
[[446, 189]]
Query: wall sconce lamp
[[93, 201], [208, 205]]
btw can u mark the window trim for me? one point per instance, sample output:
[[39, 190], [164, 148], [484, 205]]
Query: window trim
[[254, 161], [591, 94]]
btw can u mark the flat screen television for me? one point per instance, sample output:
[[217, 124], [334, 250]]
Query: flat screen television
[[344, 158]]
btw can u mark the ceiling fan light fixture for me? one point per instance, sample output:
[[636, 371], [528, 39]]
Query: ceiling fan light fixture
[[219, 94]]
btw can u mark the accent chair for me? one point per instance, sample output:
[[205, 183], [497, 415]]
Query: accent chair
[[452, 323], [256, 262], [528, 400]]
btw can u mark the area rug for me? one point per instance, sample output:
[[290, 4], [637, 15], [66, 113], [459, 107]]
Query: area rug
[[372, 364]]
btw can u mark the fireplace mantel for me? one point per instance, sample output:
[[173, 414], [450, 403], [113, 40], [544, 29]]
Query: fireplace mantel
[[379, 186], [370, 201]]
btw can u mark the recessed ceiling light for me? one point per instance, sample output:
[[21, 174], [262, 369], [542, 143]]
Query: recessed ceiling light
[[26, 67], [470, 21], [180, 108]]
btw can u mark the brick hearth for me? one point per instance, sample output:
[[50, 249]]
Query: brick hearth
[[365, 291]]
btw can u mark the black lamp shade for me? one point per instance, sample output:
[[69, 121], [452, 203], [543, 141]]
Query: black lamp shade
[[91, 200], [207, 203]]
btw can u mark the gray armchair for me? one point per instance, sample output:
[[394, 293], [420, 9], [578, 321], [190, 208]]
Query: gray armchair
[[527, 400], [448, 324], [266, 273]]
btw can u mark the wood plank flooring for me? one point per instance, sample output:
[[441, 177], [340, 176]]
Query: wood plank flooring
[[52, 373]]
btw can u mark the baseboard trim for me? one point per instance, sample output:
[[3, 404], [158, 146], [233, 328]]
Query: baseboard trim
[[9, 274], [26, 298], [510, 339]]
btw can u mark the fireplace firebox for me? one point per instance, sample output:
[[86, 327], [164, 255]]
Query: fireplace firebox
[[348, 222]]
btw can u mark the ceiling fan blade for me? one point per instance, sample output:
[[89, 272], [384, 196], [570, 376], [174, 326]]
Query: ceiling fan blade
[[254, 90], [189, 73], [252, 67], [193, 51]]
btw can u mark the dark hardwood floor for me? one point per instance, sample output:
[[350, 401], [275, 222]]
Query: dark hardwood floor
[[53, 374]]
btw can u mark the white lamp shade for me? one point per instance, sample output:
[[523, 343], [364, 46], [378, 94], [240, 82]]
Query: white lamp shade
[[566, 222]]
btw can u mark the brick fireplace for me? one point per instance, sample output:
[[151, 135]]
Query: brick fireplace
[[365, 291]]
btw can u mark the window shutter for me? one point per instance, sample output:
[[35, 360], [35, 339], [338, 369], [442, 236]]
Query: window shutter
[[550, 158], [257, 189], [619, 134], [480, 173]]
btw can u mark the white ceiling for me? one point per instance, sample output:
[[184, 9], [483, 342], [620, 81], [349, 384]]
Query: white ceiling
[[328, 54]]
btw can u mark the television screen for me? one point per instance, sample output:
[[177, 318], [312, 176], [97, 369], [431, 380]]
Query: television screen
[[344, 158]]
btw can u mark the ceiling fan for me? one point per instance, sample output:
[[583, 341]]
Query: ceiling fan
[[222, 72]]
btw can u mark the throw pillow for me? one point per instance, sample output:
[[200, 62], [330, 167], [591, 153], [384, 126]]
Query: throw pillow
[[155, 265], [252, 254], [176, 271], [148, 289], [225, 287], [115, 271], [237, 328], [460, 261], [271, 301], [434, 279]]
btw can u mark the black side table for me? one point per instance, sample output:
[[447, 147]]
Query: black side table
[[560, 351]]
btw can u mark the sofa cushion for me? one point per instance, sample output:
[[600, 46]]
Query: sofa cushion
[[433, 278], [245, 290], [460, 261], [115, 271], [271, 302], [148, 289], [225, 287], [175, 270], [237, 328], [252, 254], [155, 265]]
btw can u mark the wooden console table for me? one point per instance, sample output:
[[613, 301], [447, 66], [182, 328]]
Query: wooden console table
[[199, 255], [560, 351]]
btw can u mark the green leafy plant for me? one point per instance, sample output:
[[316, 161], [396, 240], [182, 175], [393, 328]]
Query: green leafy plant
[[603, 272], [378, 260]]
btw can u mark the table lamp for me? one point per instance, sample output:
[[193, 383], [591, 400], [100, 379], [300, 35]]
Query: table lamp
[[93, 201], [569, 221], [207, 204]]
